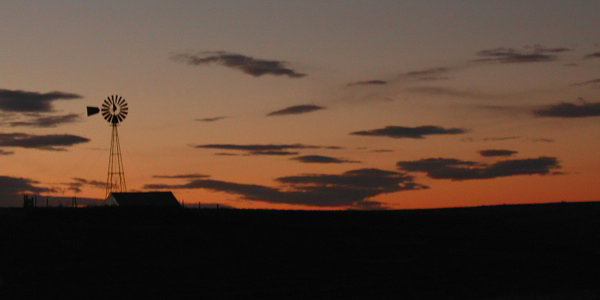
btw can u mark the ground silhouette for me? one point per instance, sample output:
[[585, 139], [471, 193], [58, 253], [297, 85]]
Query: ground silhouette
[[501, 252]]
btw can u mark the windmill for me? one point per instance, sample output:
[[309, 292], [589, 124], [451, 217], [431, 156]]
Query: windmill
[[114, 110]]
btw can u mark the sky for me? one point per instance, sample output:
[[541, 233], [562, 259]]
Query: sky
[[305, 104]]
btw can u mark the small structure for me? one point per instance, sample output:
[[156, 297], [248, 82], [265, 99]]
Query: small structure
[[149, 199]]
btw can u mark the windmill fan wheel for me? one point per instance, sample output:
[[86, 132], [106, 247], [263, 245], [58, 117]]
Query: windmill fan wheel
[[114, 109]]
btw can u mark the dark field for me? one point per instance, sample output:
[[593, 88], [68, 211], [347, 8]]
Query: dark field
[[504, 252]]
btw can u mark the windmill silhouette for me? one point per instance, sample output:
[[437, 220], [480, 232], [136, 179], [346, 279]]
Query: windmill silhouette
[[114, 110]]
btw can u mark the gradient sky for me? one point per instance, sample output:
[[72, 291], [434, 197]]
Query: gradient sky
[[305, 104]]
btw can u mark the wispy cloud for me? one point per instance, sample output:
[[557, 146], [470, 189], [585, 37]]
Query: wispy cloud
[[438, 73], [263, 149], [23, 101], [455, 169], [501, 138], [349, 189], [570, 110], [3, 152], [182, 176], [213, 119], [295, 110], [593, 82], [451, 92], [592, 55], [247, 64], [511, 55], [368, 82], [53, 142], [320, 159], [418, 132], [47, 121]]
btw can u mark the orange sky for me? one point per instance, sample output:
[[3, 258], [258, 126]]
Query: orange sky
[[448, 80]]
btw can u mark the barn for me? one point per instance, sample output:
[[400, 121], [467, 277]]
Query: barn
[[149, 199]]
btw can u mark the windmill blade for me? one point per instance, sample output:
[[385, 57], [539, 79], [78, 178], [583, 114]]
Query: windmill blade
[[91, 110]]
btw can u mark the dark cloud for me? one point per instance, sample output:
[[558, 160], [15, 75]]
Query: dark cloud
[[22, 101], [496, 152], [510, 55], [48, 121], [78, 183], [182, 176], [53, 142], [570, 110], [297, 109], [3, 152], [12, 188], [322, 159], [418, 132], [592, 55], [350, 189], [272, 152], [213, 119], [368, 82], [246, 64], [454, 169]]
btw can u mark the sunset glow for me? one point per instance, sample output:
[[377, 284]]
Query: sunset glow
[[305, 104]]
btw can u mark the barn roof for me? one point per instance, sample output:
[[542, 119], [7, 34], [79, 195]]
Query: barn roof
[[162, 199]]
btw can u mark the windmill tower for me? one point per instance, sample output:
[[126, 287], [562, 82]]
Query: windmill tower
[[114, 110]]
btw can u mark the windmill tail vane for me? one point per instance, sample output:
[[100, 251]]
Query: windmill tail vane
[[114, 110]]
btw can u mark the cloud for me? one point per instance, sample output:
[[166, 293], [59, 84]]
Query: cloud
[[592, 55], [12, 188], [542, 49], [3, 152], [502, 138], [451, 92], [213, 119], [542, 140], [295, 110], [273, 152], [256, 147], [246, 64], [418, 132], [454, 169], [510, 55], [53, 142], [322, 159], [22, 101], [382, 150], [265, 149], [589, 82], [47, 122], [367, 82], [570, 110], [496, 152], [182, 176], [429, 74], [78, 183], [350, 189]]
